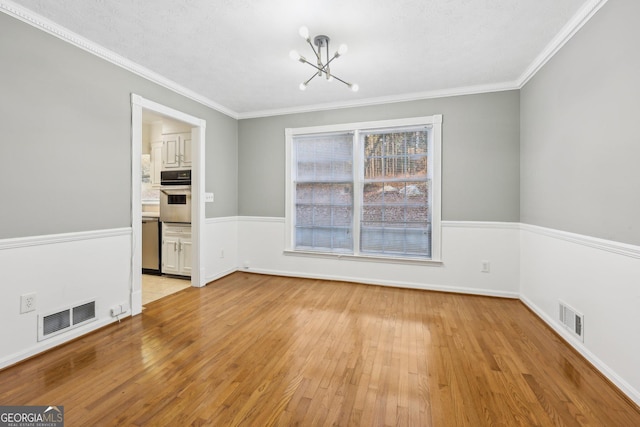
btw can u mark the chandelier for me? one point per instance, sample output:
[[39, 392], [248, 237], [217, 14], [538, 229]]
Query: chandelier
[[322, 68]]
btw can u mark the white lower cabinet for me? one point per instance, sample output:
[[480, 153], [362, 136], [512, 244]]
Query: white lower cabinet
[[176, 249]]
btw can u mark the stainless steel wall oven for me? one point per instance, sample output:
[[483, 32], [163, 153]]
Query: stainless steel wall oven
[[175, 196]]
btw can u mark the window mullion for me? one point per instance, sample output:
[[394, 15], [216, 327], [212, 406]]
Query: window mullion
[[358, 177]]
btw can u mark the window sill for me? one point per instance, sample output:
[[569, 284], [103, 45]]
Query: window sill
[[366, 258]]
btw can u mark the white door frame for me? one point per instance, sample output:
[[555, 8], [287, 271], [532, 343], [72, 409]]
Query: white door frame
[[139, 103]]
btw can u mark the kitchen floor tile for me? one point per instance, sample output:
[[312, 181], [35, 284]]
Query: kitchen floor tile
[[156, 287]]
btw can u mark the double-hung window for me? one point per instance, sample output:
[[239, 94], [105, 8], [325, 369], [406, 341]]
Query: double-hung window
[[365, 189]]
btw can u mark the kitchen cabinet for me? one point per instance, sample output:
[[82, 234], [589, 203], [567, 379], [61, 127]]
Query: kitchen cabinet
[[176, 151], [156, 163], [176, 249]]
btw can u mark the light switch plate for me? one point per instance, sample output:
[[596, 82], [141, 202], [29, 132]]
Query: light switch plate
[[208, 197]]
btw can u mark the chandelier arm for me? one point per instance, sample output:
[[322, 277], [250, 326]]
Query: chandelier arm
[[314, 50], [322, 69], [340, 80], [313, 65], [310, 78], [329, 61]]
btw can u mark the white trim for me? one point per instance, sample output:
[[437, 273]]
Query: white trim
[[138, 103], [434, 168], [58, 340], [50, 239], [392, 284], [289, 206], [221, 219], [383, 100], [482, 224], [220, 275], [619, 248], [435, 119], [261, 218], [147, 104], [57, 30], [567, 32], [366, 258], [50, 27], [579, 346], [198, 168], [135, 276]]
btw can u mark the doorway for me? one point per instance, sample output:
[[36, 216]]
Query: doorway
[[141, 110]]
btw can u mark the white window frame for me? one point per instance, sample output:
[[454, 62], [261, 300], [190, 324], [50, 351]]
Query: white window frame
[[435, 165]]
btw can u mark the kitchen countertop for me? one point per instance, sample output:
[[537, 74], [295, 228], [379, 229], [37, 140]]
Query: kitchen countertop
[[150, 215]]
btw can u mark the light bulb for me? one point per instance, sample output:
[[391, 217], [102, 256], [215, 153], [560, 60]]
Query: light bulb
[[303, 86], [294, 55], [354, 87], [304, 32], [342, 49], [330, 78]]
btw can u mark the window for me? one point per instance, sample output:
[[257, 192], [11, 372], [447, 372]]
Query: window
[[365, 189]]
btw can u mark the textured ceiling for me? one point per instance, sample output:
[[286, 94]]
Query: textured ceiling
[[236, 52]]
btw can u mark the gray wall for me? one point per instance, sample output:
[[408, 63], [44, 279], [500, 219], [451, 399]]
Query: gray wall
[[480, 137], [580, 141], [65, 117]]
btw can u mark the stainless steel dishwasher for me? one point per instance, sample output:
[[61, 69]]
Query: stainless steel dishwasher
[[150, 245]]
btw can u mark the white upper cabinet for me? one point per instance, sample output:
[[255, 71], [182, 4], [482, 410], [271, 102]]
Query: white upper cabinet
[[176, 151], [156, 163], [185, 150]]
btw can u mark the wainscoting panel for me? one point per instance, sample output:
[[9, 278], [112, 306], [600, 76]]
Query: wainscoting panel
[[466, 245], [599, 279], [60, 269], [220, 247]]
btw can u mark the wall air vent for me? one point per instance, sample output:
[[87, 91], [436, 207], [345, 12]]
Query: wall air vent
[[572, 320], [53, 323], [84, 312]]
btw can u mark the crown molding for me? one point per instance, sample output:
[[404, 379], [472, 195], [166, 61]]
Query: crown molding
[[416, 96], [567, 32], [50, 27]]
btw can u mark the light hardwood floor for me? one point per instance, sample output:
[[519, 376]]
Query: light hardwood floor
[[259, 350], [156, 287]]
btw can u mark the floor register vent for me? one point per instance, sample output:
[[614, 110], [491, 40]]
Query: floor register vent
[[54, 323], [572, 320]]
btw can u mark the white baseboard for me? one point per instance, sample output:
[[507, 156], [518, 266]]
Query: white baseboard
[[388, 283], [596, 277], [136, 301], [59, 268], [220, 275], [602, 367], [56, 341], [538, 265]]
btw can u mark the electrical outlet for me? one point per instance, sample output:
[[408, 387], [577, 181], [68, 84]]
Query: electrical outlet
[[116, 310], [222, 253], [27, 302], [119, 309], [208, 197]]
